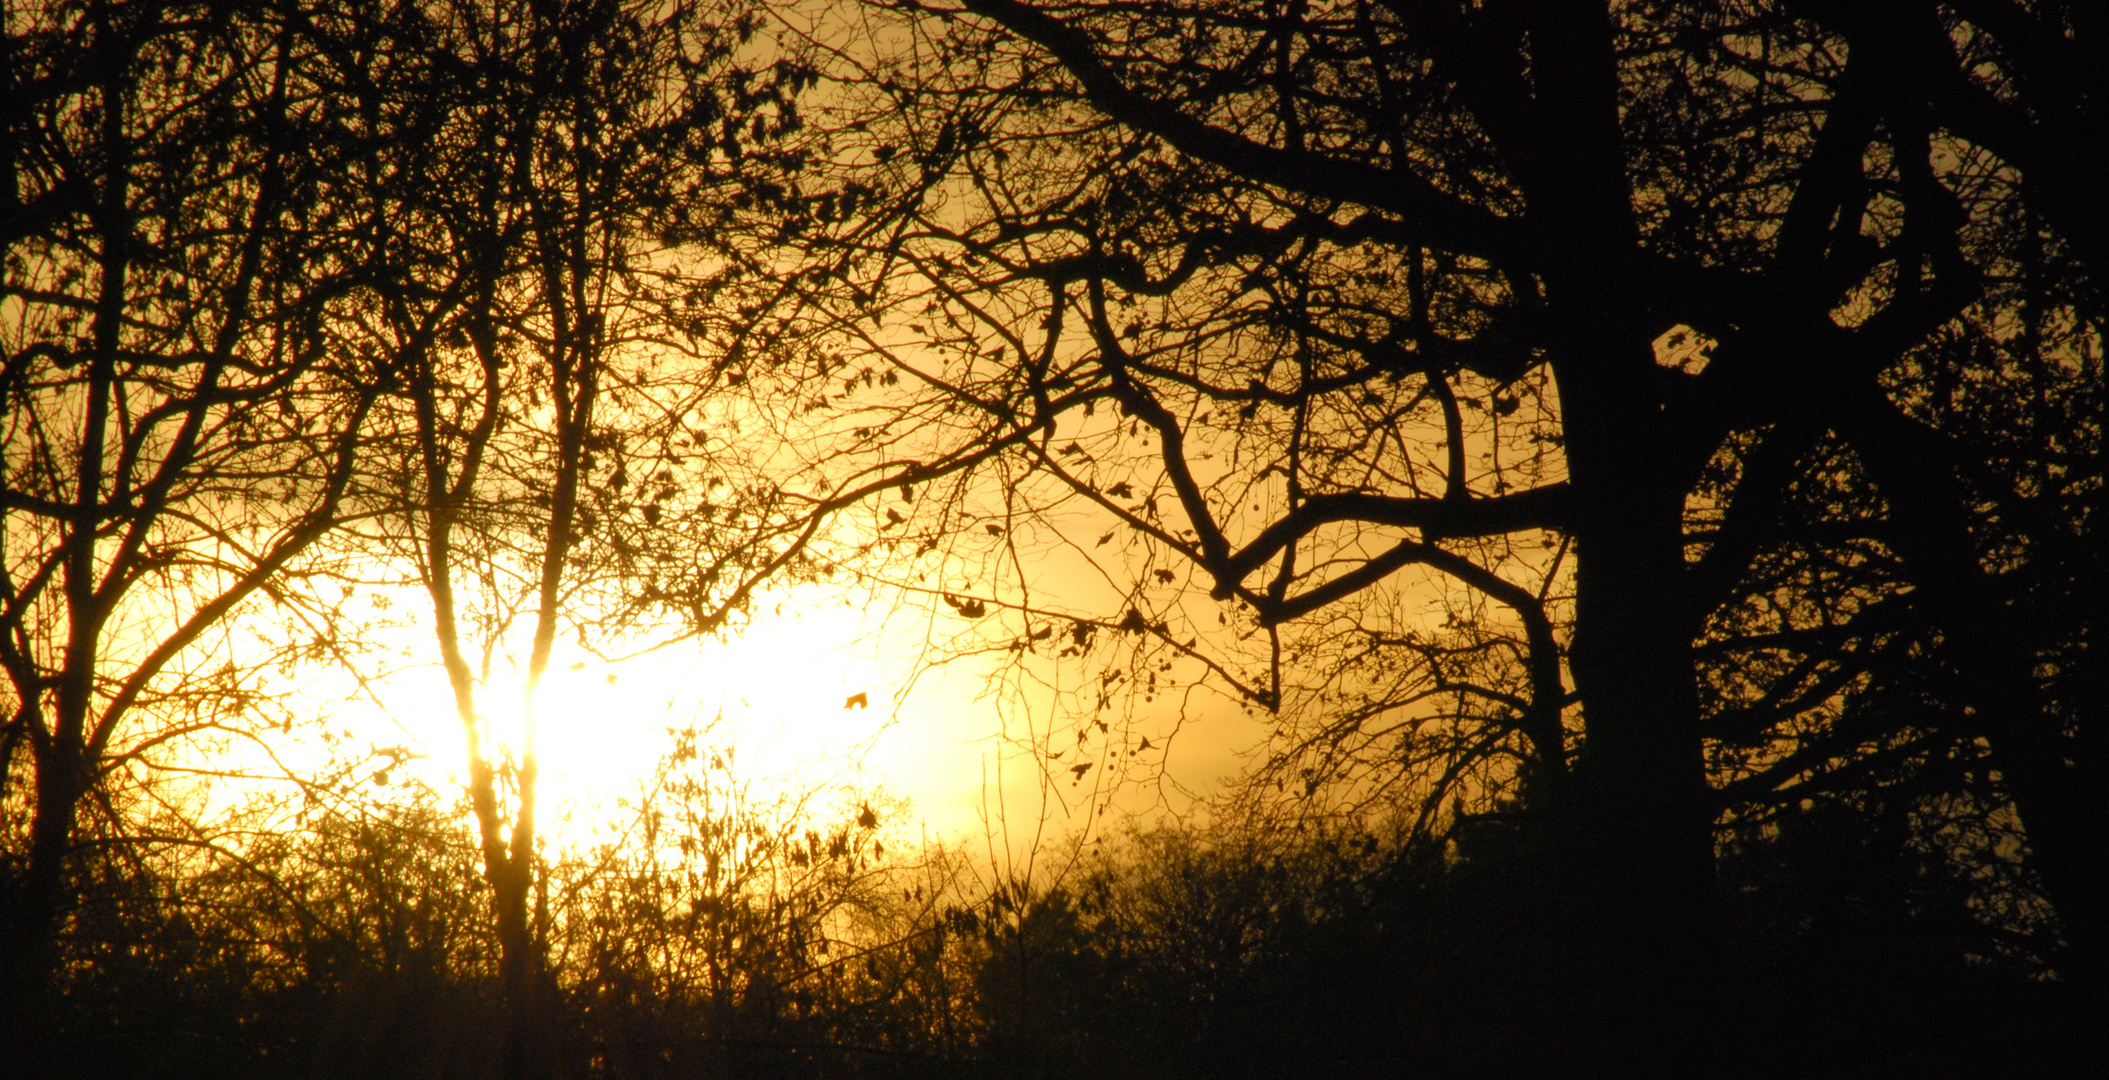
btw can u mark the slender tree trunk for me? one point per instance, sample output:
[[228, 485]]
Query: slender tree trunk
[[30, 918], [508, 854], [60, 752], [522, 965]]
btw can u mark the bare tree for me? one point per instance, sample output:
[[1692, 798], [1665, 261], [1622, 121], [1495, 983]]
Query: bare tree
[[1617, 322], [182, 414], [550, 424], [1993, 510]]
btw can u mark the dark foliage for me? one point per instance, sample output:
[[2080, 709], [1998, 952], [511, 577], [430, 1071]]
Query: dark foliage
[[362, 948], [1733, 370]]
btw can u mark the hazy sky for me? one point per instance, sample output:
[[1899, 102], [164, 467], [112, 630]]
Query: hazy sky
[[780, 693]]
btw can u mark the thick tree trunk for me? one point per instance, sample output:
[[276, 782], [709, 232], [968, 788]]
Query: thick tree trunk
[[1644, 848], [1643, 858]]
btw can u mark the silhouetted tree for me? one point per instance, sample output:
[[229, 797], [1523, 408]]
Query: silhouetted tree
[[1646, 454], [1628, 321], [544, 420], [182, 410], [1992, 477]]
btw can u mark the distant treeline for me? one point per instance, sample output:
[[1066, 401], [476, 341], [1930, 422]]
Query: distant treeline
[[720, 943]]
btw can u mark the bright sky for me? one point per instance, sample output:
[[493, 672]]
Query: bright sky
[[827, 686], [781, 695]]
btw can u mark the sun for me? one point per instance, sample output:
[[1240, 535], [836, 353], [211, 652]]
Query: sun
[[799, 696], [824, 690], [811, 693]]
